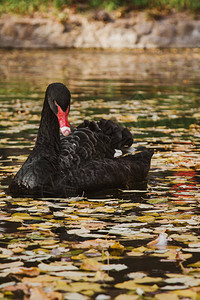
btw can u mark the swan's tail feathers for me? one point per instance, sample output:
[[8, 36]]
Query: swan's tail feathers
[[144, 156], [140, 163]]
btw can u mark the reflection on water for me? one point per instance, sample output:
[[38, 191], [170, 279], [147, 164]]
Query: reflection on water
[[156, 95]]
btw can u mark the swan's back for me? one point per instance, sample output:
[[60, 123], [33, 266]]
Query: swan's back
[[93, 141], [87, 159]]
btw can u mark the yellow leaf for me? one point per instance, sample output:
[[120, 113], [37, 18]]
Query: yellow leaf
[[38, 250], [18, 217], [48, 242], [79, 256], [166, 296], [102, 276], [196, 264], [62, 286], [186, 294], [132, 285], [116, 249], [175, 275], [127, 297], [40, 279], [18, 250], [172, 254], [84, 286], [106, 209], [129, 205], [91, 264], [148, 219], [137, 251], [148, 279], [184, 237], [117, 246], [77, 286], [134, 253], [141, 249]]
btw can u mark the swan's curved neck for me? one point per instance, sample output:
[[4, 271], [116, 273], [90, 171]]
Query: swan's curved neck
[[48, 133]]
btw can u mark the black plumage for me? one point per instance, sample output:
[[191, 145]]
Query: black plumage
[[82, 161]]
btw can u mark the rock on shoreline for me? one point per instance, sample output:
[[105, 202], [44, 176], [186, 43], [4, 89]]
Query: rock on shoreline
[[177, 30]]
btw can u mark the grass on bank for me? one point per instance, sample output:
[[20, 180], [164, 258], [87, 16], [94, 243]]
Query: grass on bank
[[30, 6]]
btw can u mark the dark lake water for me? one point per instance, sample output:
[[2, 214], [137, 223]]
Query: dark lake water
[[156, 95]]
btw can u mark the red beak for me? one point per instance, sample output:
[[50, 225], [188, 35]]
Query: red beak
[[63, 120]]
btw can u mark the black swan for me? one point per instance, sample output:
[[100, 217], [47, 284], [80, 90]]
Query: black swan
[[77, 161]]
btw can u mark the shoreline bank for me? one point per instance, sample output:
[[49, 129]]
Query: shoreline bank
[[177, 30]]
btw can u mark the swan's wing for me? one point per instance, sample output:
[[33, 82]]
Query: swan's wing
[[118, 135], [93, 141], [82, 146]]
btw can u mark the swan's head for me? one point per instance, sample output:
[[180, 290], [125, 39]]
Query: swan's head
[[58, 97]]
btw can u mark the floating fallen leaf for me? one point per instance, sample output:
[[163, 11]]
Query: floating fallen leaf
[[132, 285], [75, 296], [18, 250], [196, 264], [58, 266], [115, 267], [39, 279], [91, 264], [147, 279], [148, 219], [173, 287], [110, 230], [19, 217], [127, 297], [137, 251], [166, 296], [14, 264], [74, 275], [189, 293], [38, 293], [97, 244], [78, 286], [116, 249], [32, 271], [135, 275], [17, 287], [101, 276]]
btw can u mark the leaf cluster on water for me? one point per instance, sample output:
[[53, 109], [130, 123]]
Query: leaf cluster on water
[[124, 244]]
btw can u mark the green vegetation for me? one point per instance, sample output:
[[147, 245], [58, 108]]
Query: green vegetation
[[30, 6]]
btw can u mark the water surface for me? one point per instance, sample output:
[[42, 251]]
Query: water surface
[[156, 95]]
